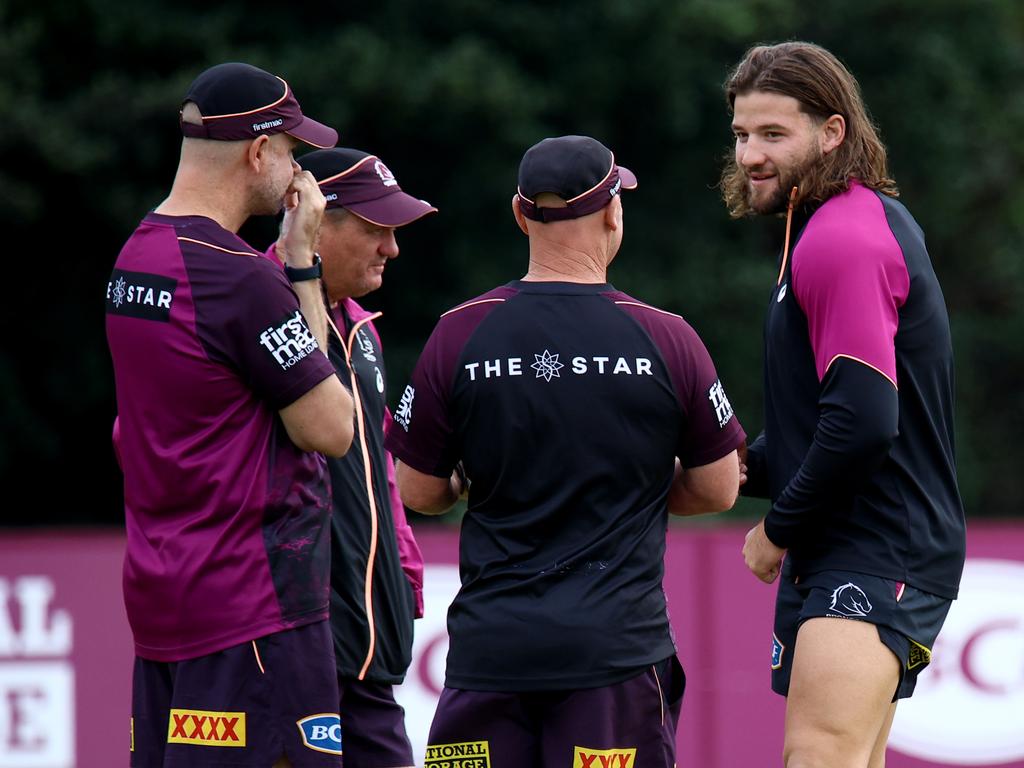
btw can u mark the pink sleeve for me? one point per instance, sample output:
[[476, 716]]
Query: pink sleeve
[[850, 280], [408, 550]]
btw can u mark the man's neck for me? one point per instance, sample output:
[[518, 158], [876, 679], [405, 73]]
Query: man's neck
[[196, 194], [565, 265]]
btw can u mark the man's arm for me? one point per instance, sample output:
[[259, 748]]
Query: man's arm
[[427, 494], [304, 206], [702, 490], [321, 420], [859, 420]]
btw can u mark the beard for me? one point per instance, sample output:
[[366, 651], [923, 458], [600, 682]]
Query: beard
[[267, 198], [786, 179]]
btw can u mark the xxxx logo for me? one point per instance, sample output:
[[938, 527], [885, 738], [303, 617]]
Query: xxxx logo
[[209, 729], [604, 758]]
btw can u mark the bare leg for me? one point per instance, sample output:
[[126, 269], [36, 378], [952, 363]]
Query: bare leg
[[878, 753], [282, 763], [839, 695]]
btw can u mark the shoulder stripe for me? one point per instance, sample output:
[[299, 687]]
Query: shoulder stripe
[[470, 304], [648, 306], [217, 247], [862, 362]]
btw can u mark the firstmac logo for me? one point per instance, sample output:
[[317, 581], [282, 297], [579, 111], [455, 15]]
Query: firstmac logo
[[268, 124], [290, 341], [720, 403], [403, 415]]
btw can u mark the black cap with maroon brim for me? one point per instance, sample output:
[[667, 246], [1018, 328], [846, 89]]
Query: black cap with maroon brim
[[361, 183], [239, 101], [578, 169]]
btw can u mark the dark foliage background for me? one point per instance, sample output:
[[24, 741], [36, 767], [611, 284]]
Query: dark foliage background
[[450, 93]]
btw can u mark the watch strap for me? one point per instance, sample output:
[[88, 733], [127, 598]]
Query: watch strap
[[300, 274]]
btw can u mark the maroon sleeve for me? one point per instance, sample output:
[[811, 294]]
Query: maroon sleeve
[[251, 320], [421, 430], [710, 429], [420, 433]]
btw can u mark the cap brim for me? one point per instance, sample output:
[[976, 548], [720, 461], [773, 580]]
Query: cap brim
[[315, 134], [628, 178], [395, 210]]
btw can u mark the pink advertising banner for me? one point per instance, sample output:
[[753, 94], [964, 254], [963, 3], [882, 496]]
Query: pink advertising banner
[[66, 654]]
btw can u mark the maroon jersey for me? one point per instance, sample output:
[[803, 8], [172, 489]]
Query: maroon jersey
[[227, 521]]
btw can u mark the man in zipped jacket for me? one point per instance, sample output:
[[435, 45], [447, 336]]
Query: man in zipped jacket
[[376, 565]]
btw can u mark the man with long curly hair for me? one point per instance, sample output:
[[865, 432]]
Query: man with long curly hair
[[857, 457]]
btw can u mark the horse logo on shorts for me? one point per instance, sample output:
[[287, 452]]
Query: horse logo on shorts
[[850, 600]]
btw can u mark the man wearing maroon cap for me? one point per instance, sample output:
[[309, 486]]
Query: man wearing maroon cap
[[225, 395], [376, 567], [582, 417]]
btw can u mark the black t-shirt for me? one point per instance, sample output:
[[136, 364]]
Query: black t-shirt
[[858, 441], [567, 404]]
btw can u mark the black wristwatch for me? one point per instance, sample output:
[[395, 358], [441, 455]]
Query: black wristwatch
[[299, 274]]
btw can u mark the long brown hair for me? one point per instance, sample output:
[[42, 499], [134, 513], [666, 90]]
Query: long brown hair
[[824, 87]]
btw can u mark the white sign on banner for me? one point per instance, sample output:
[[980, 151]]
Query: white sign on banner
[[425, 678], [968, 708], [37, 716]]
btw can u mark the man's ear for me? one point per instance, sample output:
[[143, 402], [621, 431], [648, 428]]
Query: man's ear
[[520, 219], [613, 213], [833, 132], [256, 154]]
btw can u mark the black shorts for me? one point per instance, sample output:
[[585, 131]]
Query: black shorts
[[244, 706], [374, 725], [908, 620]]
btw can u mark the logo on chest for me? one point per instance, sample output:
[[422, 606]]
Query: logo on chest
[[140, 295], [366, 345]]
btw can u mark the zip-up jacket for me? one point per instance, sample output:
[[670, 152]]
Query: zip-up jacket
[[376, 565]]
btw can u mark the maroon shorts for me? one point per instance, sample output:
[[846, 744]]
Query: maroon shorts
[[631, 724], [247, 705], [374, 726]]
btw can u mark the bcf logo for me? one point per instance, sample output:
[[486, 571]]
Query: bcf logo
[[968, 708], [321, 732]]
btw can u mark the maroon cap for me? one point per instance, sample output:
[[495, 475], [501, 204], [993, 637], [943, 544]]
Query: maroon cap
[[361, 183], [578, 169], [239, 101]]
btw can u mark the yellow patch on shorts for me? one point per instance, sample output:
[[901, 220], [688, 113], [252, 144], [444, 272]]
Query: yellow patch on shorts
[[466, 754], [206, 729], [620, 757], [919, 655]]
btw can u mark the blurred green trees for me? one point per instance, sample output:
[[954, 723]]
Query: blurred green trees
[[450, 93]]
